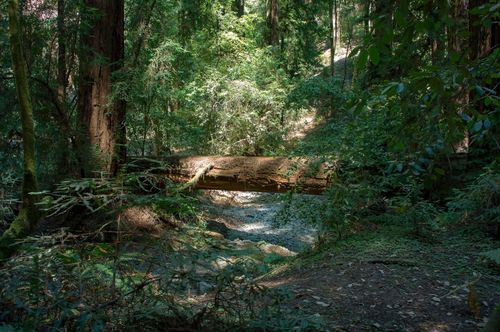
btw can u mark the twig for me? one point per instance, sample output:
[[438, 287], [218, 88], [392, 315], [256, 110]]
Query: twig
[[136, 289], [392, 262], [456, 289]]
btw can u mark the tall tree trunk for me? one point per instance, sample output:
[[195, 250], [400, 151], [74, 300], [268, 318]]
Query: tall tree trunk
[[239, 7], [382, 35], [273, 21], [458, 12], [143, 27], [457, 45], [101, 55], [62, 84], [333, 43], [366, 17], [481, 39], [439, 40], [62, 81], [332, 9], [349, 40], [29, 215]]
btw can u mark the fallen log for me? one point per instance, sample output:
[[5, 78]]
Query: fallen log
[[263, 174]]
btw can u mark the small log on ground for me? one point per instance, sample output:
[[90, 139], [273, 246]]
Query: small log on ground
[[263, 174]]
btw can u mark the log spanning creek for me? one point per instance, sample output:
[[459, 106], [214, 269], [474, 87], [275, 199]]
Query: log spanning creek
[[255, 174]]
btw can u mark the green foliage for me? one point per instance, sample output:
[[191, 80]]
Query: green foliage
[[348, 204], [494, 255], [106, 195], [61, 282], [479, 201], [216, 90], [238, 116], [8, 198]]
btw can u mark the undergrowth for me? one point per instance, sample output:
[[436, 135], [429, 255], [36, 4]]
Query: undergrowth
[[64, 282]]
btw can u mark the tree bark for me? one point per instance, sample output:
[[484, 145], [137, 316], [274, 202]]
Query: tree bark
[[458, 12], [382, 36], [366, 18], [62, 81], [239, 7], [143, 27], [101, 55], [348, 49], [481, 39], [439, 40], [29, 214], [263, 174], [273, 21], [333, 43], [332, 10]]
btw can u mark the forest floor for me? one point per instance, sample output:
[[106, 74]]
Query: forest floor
[[382, 278], [385, 279]]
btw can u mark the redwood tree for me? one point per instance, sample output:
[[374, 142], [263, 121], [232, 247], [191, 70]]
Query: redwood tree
[[28, 216], [101, 118], [333, 35], [273, 21], [239, 7]]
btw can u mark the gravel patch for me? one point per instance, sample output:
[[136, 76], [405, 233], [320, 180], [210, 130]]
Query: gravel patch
[[272, 218]]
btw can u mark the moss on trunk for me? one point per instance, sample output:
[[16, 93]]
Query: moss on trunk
[[28, 217]]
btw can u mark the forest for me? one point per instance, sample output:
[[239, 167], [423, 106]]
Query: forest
[[249, 165]]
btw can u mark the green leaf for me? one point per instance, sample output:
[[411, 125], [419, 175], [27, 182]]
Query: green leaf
[[494, 255], [494, 8], [388, 88], [374, 55], [439, 171], [399, 18], [362, 59], [455, 57], [104, 269], [400, 89], [477, 126], [479, 90], [354, 51]]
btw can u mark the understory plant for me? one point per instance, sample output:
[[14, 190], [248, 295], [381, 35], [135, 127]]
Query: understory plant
[[68, 281], [478, 202]]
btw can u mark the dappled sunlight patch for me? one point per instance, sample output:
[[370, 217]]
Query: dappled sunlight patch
[[140, 219], [435, 327], [275, 249], [259, 217]]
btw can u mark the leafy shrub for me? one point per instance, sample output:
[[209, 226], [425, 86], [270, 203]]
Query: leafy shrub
[[479, 202], [8, 199], [320, 92], [238, 116], [63, 282]]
